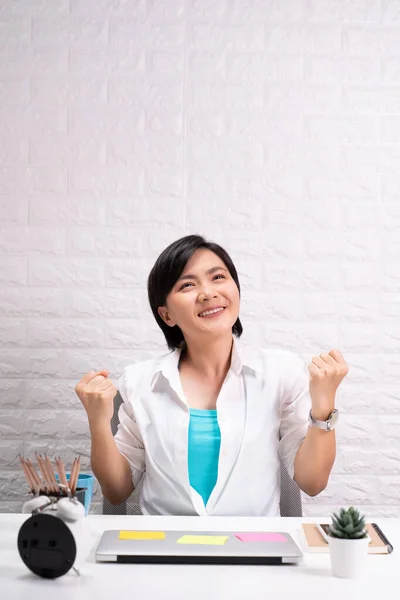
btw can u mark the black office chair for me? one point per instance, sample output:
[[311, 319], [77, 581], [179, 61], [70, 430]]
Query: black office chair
[[290, 500]]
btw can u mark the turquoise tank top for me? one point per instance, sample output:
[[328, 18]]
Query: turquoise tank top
[[203, 454]]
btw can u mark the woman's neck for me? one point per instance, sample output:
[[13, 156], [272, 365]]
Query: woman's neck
[[211, 360]]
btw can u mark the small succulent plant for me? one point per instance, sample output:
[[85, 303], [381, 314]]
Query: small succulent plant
[[349, 524]]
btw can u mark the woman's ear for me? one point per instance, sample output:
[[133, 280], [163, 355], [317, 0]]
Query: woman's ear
[[163, 313]]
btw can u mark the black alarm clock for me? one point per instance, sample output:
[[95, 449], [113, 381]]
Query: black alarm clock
[[46, 545]]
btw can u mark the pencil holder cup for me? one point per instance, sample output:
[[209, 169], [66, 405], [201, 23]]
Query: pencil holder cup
[[84, 490], [84, 485], [54, 538]]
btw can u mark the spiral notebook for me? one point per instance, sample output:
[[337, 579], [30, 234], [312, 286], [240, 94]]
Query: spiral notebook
[[379, 544]]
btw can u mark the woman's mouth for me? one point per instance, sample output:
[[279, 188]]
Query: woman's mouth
[[212, 312]]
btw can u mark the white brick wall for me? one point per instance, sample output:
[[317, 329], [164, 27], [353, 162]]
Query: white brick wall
[[271, 126]]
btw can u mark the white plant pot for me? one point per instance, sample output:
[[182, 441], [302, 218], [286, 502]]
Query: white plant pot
[[348, 557]]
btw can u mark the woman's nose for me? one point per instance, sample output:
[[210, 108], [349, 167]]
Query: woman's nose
[[206, 293]]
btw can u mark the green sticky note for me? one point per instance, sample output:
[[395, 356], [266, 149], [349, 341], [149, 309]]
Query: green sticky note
[[141, 535], [212, 540]]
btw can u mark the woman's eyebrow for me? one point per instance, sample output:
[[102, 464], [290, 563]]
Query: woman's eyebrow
[[209, 272]]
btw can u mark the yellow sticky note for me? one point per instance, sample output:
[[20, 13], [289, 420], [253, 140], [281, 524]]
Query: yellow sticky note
[[213, 540], [141, 535]]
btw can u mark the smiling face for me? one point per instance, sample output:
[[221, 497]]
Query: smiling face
[[204, 300]]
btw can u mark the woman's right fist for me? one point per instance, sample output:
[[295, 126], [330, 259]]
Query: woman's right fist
[[97, 393]]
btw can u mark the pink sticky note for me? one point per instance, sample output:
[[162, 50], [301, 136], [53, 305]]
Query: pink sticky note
[[261, 537]]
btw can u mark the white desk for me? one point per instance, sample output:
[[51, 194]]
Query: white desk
[[312, 579]]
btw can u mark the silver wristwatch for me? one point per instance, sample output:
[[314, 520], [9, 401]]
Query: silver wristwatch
[[327, 425]]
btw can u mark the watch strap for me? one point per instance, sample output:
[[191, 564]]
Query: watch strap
[[327, 425]]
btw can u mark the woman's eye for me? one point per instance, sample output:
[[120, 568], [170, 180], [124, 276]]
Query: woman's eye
[[185, 285]]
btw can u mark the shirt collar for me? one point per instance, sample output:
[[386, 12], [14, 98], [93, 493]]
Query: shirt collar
[[245, 357], [241, 357]]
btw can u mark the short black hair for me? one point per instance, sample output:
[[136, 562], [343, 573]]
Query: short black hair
[[166, 271]]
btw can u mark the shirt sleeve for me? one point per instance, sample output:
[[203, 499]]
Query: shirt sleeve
[[295, 407], [128, 439]]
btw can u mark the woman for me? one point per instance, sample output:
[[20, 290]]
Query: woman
[[207, 423]]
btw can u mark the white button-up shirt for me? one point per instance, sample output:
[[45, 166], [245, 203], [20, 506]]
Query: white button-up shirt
[[262, 412]]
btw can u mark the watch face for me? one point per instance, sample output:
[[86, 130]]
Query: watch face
[[333, 419]]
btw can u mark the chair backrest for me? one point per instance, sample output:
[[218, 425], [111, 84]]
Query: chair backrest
[[290, 500]]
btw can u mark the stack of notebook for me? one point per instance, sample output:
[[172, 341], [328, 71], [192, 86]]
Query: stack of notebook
[[379, 544]]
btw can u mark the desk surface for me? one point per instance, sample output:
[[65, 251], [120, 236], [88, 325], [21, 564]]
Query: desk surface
[[311, 579]]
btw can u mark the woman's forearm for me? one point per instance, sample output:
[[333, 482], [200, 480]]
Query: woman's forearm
[[314, 460], [110, 467]]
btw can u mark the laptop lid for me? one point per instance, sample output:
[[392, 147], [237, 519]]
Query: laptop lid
[[197, 547]]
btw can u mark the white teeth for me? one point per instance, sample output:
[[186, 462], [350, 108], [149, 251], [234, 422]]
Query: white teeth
[[210, 312]]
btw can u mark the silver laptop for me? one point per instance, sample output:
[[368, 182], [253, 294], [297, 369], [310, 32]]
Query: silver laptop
[[186, 547]]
